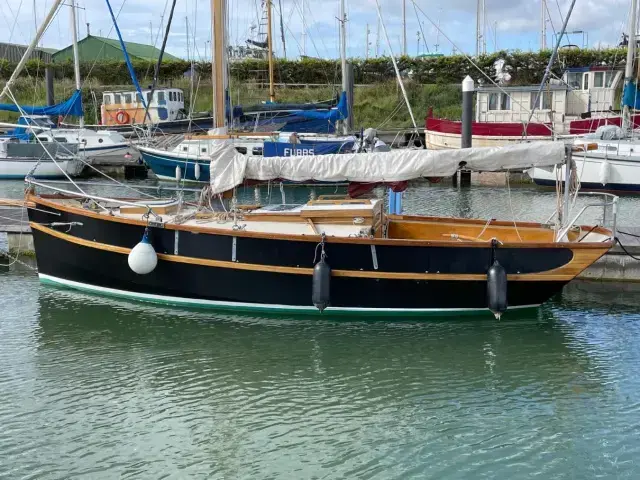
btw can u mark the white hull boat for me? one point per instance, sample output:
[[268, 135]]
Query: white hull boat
[[17, 160], [613, 166]]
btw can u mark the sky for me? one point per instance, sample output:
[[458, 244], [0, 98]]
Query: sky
[[510, 24]]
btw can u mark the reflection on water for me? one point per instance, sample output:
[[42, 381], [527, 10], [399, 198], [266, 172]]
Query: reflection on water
[[102, 388]]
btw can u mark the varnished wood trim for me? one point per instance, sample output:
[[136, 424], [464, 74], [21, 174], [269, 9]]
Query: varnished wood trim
[[315, 238], [565, 273], [313, 226]]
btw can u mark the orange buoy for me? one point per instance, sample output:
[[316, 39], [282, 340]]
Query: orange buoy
[[122, 117]]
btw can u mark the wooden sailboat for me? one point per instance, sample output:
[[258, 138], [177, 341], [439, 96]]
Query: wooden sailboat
[[331, 255], [336, 255]]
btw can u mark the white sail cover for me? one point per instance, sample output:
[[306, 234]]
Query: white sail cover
[[230, 168]]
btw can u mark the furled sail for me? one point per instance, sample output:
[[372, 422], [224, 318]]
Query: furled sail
[[72, 106], [631, 96], [229, 168]]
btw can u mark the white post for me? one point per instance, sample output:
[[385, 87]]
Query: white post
[[29, 50], [76, 56], [395, 67], [628, 71]]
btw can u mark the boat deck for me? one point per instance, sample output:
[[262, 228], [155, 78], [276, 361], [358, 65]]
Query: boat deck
[[338, 218]]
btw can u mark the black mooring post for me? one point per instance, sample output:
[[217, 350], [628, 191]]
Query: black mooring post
[[468, 88]]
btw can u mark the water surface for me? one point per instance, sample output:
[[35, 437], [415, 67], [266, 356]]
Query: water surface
[[100, 388]]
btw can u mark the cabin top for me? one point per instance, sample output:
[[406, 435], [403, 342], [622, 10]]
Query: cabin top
[[161, 96], [522, 88]]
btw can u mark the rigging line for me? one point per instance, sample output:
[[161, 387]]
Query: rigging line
[[551, 60], [308, 31], [470, 60], [420, 25], [155, 42], [157, 70], [395, 66]]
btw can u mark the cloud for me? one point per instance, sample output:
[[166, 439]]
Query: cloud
[[513, 23]]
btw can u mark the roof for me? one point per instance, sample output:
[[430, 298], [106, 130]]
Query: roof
[[140, 50], [91, 47], [14, 51]]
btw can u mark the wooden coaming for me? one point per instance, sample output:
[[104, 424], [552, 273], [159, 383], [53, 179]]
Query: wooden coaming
[[527, 243]]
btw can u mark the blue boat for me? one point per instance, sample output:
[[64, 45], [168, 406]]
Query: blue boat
[[164, 164]]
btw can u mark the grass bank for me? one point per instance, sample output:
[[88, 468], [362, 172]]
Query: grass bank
[[379, 105]]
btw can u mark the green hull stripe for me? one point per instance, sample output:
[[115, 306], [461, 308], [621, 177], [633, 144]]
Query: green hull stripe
[[262, 308]]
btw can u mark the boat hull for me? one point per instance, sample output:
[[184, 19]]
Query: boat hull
[[248, 272], [17, 169], [623, 174], [163, 165], [107, 272]]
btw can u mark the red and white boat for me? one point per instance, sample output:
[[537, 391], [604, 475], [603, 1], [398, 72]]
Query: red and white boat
[[583, 101]]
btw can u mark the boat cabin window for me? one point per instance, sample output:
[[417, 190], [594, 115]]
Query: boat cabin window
[[127, 98], [493, 101], [574, 79], [602, 79], [148, 98], [499, 101], [585, 81], [505, 102], [107, 99], [116, 98], [138, 98], [161, 96], [544, 102]]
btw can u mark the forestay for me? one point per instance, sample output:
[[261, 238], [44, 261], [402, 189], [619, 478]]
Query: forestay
[[230, 168]]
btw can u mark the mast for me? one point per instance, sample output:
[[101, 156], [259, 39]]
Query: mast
[[219, 61], [628, 70], [272, 93], [284, 43], [481, 46], [404, 28], [304, 30], [543, 30], [366, 44], [343, 45], [378, 39], [343, 59], [76, 56]]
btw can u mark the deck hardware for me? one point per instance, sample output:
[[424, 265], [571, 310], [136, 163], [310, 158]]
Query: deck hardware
[[176, 240]]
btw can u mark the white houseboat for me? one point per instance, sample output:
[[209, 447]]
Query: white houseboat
[[584, 100]]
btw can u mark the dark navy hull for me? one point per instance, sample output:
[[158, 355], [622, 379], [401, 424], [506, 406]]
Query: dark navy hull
[[268, 274]]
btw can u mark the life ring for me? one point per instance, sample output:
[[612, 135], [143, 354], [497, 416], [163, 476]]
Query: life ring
[[122, 117]]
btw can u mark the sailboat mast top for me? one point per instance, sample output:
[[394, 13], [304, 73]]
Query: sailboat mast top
[[76, 56], [404, 28], [272, 92], [218, 61], [631, 53], [343, 45]]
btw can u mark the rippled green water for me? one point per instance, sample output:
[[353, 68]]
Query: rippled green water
[[99, 388]]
